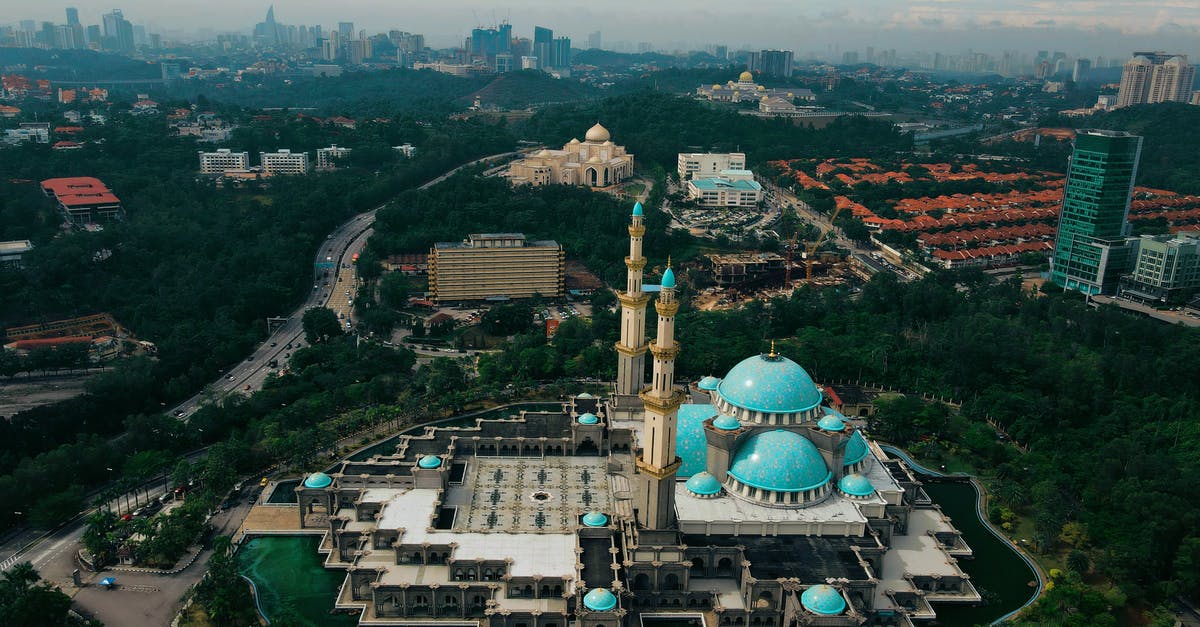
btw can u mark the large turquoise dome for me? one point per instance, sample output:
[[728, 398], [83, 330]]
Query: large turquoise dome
[[703, 484], [770, 385], [781, 461], [588, 419], [430, 461], [318, 480], [599, 600], [823, 599], [856, 449]]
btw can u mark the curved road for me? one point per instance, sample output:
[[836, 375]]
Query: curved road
[[52, 553]]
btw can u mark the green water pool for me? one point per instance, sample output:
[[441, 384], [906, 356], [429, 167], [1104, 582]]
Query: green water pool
[[287, 572]]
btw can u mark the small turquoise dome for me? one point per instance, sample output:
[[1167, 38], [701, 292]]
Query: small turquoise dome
[[668, 279], [318, 480], [831, 423], [430, 461], [727, 423], [588, 419], [599, 600], [856, 485], [708, 383], [637, 208], [781, 461], [823, 599], [584, 395], [595, 519], [771, 385], [703, 484], [856, 449]]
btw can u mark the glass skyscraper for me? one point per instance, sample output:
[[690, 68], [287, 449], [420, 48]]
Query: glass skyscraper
[[1090, 249]]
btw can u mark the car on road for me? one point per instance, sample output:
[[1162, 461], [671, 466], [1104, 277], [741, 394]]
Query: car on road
[[274, 344], [229, 376], [179, 413]]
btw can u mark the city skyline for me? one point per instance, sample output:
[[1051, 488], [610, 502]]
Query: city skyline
[[823, 29]]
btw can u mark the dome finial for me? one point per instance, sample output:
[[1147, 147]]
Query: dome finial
[[772, 354], [668, 261]]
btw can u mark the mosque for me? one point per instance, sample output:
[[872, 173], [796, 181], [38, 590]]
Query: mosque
[[593, 162], [739, 501]]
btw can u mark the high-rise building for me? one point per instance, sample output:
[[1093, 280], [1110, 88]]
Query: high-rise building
[[346, 30], [1090, 248], [118, 32], [72, 16], [1080, 71], [560, 53], [1166, 268], [1152, 77], [777, 63], [543, 39], [593, 41]]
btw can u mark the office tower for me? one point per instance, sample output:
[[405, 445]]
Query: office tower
[[93, 36], [1080, 72], [560, 52], [139, 36], [1152, 77], [1090, 248], [118, 32], [72, 16], [64, 37], [777, 63], [593, 41], [543, 38], [28, 26], [346, 30], [850, 57]]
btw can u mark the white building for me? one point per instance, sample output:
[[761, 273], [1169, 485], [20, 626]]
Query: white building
[[284, 161], [705, 164], [223, 159], [408, 150], [12, 251], [731, 188], [328, 158]]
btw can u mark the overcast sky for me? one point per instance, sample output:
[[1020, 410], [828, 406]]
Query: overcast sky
[[1100, 27]]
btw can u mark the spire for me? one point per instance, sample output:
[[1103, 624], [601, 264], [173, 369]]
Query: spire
[[772, 354]]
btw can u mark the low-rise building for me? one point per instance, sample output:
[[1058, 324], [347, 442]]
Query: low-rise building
[[745, 89], [495, 266], [11, 252], [38, 132], [738, 268], [223, 159], [284, 161], [731, 188], [704, 164], [1166, 268], [328, 158], [83, 199], [594, 162]]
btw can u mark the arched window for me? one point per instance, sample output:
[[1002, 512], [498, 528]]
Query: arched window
[[641, 582], [671, 582]]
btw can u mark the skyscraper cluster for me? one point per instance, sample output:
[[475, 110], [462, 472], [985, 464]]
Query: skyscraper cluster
[[1152, 77], [114, 33]]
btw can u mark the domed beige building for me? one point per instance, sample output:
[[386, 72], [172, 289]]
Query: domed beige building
[[745, 89], [594, 162]]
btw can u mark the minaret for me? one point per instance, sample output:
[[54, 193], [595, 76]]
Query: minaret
[[631, 350], [658, 464]]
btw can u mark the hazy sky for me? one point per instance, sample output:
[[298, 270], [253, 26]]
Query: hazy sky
[[1090, 27]]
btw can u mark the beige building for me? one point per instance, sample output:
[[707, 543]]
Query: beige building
[[594, 162], [284, 161], [701, 164], [328, 158], [495, 266], [1152, 77], [222, 160]]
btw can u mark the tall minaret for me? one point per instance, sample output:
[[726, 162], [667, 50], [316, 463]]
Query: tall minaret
[[631, 350], [658, 464]]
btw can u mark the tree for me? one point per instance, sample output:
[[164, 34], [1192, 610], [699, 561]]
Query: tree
[[320, 324], [222, 592], [1079, 562], [27, 601]]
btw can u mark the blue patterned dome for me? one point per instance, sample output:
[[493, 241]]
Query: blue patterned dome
[[727, 423], [599, 600], [703, 484], [637, 208], [823, 599], [318, 480], [781, 461], [588, 419], [691, 445], [584, 395], [771, 385], [668, 279], [856, 449], [708, 383], [595, 519], [856, 485], [430, 461], [831, 423]]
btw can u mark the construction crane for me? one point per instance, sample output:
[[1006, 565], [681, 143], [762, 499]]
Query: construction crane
[[811, 248], [787, 264]]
